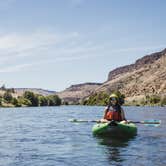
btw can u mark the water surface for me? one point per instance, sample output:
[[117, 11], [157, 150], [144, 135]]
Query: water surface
[[45, 137]]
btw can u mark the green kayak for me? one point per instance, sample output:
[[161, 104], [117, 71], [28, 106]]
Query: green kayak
[[115, 129]]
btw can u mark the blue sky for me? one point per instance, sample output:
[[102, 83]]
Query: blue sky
[[53, 44]]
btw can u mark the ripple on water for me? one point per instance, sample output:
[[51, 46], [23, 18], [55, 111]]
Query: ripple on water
[[44, 136]]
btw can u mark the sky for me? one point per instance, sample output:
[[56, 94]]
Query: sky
[[53, 44]]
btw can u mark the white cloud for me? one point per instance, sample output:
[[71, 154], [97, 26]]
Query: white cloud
[[15, 68], [15, 45], [20, 51], [19, 42], [46, 47]]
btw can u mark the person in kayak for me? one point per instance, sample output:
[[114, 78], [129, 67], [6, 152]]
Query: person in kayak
[[114, 111]]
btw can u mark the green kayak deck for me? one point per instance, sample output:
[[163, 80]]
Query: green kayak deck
[[115, 129]]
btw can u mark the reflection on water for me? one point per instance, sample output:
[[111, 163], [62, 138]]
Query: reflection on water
[[113, 147]]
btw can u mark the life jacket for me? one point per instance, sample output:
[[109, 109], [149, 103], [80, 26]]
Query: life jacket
[[114, 114]]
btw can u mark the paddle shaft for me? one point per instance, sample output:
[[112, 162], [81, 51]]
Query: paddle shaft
[[80, 120], [140, 122]]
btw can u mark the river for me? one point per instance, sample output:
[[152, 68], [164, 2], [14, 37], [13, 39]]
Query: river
[[44, 136]]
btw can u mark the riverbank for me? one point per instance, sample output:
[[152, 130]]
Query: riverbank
[[8, 98], [102, 99]]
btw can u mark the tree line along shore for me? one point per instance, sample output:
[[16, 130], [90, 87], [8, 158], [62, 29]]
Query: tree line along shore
[[148, 100], [31, 99], [28, 99]]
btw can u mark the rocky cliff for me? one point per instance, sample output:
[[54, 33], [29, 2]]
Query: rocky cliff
[[147, 76], [148, 59], [77, 92]]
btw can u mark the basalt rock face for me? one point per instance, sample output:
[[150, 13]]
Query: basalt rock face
[[75, 93], [148, 59], [146, 77]]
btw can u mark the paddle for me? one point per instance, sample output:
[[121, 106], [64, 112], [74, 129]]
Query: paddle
[[148, 121], [145, 122], [81, 120], [152, 122]]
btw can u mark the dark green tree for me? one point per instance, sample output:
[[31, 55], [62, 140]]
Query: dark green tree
[[163, 101], [101, 98], [53, 100], [7, 97], [42, 100], [15, 102], [0, 100], [31, 97], [23, 101]]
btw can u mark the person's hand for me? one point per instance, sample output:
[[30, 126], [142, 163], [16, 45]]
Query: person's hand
[[103, 120], [124, 122]]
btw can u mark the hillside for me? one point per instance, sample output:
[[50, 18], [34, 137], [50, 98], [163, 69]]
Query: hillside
[[43, 92], [147, 76], [27, 97], [146, 60], [75, 93], [20, 91]]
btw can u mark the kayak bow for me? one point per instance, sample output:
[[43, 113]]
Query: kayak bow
[[115, 129]]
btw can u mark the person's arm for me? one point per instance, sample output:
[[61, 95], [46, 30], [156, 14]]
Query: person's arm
[[107, 109], [105, 112], [123, 114]]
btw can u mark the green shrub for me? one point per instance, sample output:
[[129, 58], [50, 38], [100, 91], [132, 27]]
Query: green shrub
[[15, 102], [7, 97], [163, 101], [24, 101], [42, 101], [0, 101], [31, 97], [53, 100], [65, 103], [143, 102], [101, 98], [154, 99]]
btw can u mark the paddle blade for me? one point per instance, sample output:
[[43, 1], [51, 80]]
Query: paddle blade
[[152, 125], [152, 121]]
